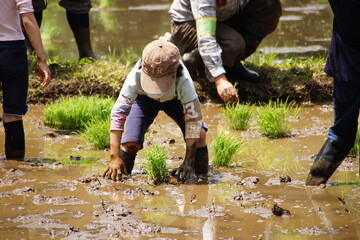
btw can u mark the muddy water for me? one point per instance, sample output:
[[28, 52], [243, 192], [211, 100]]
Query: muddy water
[[43, 199], [123, 26]]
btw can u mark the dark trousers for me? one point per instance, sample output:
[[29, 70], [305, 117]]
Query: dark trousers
[[143, 113], [346, 98], [14, 77]]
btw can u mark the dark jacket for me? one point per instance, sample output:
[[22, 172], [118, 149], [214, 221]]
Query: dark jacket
[[343, 62]]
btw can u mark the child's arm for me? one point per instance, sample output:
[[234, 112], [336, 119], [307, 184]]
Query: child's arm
[[119, 113], [116, 167], [186, 169], [193, 120], [33, 31]]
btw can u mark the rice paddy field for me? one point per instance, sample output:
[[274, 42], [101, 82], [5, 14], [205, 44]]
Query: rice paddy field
[[58, 191], [259, 156]]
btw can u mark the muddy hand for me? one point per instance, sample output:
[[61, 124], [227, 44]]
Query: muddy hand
[[115, 170], [185, 172]]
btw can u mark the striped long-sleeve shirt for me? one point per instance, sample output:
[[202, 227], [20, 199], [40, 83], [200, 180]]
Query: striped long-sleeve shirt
[[10, 27], [198, 10]]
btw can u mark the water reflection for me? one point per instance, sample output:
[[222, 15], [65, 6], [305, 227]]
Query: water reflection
[[117, 25]]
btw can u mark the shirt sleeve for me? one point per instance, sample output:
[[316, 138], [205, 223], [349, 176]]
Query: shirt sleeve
[[120, 112], [193, 118], [24, 6], [126, 98], [185, 87], [190, 101], [204, 12]]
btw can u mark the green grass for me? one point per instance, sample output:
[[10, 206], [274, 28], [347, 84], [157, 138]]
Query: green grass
[[225, 147], [106, 77], [272, 117], [73, 113], [288, 72], [103, 77], [156, 163], [356, 149], [238, 115], [97, 133]]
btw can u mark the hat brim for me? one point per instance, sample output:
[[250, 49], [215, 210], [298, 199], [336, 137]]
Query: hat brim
[[159, 85]]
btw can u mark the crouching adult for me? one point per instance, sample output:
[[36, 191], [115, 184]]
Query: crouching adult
[[216, 35], [159, 81]]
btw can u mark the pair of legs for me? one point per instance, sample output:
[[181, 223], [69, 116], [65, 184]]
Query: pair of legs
[[77, 13], [14, 82], [142, 115], [238, 37], [342, 134]]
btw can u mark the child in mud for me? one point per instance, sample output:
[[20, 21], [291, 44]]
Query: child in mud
[[159, 81], [343, 64], [14, 70]]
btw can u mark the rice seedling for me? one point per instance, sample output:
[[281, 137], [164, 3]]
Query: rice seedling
[[356, 149], [72, 113], [238, 115], [272, 117], [156, 163], [271, 122], [225, 146], [97, 133]]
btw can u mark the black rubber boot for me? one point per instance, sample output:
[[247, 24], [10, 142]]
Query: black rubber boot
[[129, 160], [14, 140], [82, 37], [193, 62], [201, 164], [326, 162], [79, 24], [241, 73]]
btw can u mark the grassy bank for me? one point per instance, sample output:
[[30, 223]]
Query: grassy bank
[[296, 79]]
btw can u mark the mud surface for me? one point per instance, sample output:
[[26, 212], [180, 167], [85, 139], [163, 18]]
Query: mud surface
[[262, 196]]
